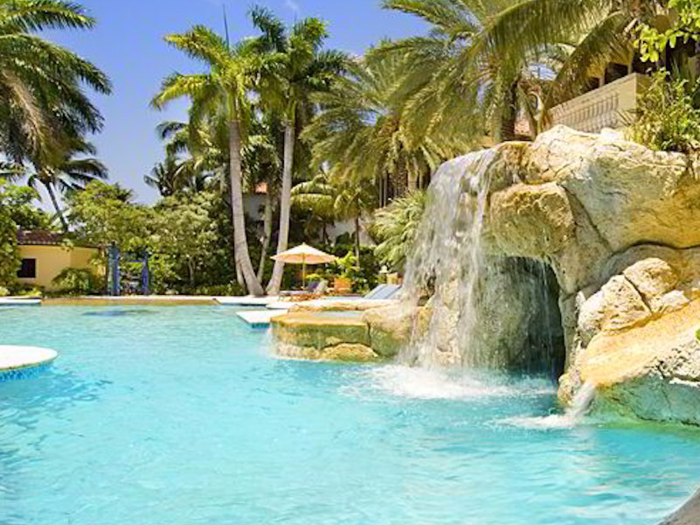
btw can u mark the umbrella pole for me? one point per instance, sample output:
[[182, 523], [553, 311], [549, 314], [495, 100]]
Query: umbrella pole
[[303, 273]]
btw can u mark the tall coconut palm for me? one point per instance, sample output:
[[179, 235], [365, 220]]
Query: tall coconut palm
[[70, 171], [42, 98], [466, 77], [362, 133], [223, 91], [305, 69]]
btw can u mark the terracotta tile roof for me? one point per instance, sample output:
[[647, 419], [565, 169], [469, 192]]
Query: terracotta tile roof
[[38, 238]]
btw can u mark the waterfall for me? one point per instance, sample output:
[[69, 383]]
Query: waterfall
[[449, 260], [483, 311]]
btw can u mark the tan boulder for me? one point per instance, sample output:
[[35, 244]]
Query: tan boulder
[[307, 330], [349, 353], [623, 306], [652, 278], [531, 221], [391, 327], [651, 372]]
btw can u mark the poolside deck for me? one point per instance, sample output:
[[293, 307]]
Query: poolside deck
[[153, 300], [260, 318]]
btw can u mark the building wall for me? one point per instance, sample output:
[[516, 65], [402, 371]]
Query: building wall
[[52, 260], [613, 105]]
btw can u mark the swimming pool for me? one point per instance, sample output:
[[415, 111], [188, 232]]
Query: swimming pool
[[178, 416]]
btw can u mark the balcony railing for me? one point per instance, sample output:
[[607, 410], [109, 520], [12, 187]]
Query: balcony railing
[[611, 106]]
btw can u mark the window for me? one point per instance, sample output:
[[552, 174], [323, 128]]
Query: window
[[28, 269]]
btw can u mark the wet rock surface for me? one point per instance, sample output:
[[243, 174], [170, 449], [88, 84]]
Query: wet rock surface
[[618, 225]]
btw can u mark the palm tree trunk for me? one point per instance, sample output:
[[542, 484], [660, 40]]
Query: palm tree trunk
[[285, 207], [190, 269], [56, 206], [357, 242], [239, 234], [412, 181], [267, 229], [239, 274], [509, 115]]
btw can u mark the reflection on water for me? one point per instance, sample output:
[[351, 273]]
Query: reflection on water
[[119, 313]]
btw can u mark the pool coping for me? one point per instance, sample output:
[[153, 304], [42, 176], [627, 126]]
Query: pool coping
[[153, 300], [689, 514]]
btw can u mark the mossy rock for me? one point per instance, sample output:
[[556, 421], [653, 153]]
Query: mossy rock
[[314, 331]]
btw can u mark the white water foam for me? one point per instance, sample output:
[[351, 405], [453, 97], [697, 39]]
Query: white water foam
[[438, 384], [573, 416]]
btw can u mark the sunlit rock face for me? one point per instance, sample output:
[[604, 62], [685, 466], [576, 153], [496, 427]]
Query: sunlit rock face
[[577, 254], [616, 223]]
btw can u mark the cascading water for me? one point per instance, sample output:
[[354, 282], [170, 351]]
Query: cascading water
[[449, 258], [484, 311]]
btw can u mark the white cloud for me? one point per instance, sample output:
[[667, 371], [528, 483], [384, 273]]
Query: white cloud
[[292, 6]]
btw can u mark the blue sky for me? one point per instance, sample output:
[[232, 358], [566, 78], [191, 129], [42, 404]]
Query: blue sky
[[128, 45]]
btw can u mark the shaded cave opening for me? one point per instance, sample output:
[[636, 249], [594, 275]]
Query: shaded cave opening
[[540, 347]]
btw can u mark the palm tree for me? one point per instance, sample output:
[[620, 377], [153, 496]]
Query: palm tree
[[601, 31], [42, 99], [467, 77], [166, 177], [304, 69], [337, 199], [396, 227], [362, 131], [68, 172], [221, 92]]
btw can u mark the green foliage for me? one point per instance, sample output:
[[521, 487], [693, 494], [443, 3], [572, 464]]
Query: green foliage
[[104, 214], [668, 120], [363, 277], [18, 203], [396, 227], [43, 84], [654, 42], [185, 234], [9, 252], [365, 130], [225, 290], [75, 281]]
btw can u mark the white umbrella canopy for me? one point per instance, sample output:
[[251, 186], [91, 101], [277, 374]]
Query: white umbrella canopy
[[305, 254]]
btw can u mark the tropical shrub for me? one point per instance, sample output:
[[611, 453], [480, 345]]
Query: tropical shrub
[[77, 281], [396, 227], [668, 120], [9, 252], [185, 232], [685, 27]]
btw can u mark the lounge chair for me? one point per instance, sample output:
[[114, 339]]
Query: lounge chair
[[314, 290], [384, 292]]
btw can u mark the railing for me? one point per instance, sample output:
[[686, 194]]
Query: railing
[[611, 106]]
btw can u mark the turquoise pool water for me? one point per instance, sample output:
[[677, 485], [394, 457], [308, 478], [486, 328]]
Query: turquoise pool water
[[179, 416]]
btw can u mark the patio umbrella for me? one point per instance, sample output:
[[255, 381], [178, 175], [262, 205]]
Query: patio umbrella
[[305, 254]]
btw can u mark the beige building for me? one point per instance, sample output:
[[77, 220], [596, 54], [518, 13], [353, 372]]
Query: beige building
[[612, 105], [44, 256]]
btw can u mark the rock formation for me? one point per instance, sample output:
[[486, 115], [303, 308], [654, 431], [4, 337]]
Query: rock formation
[[618, 226]]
